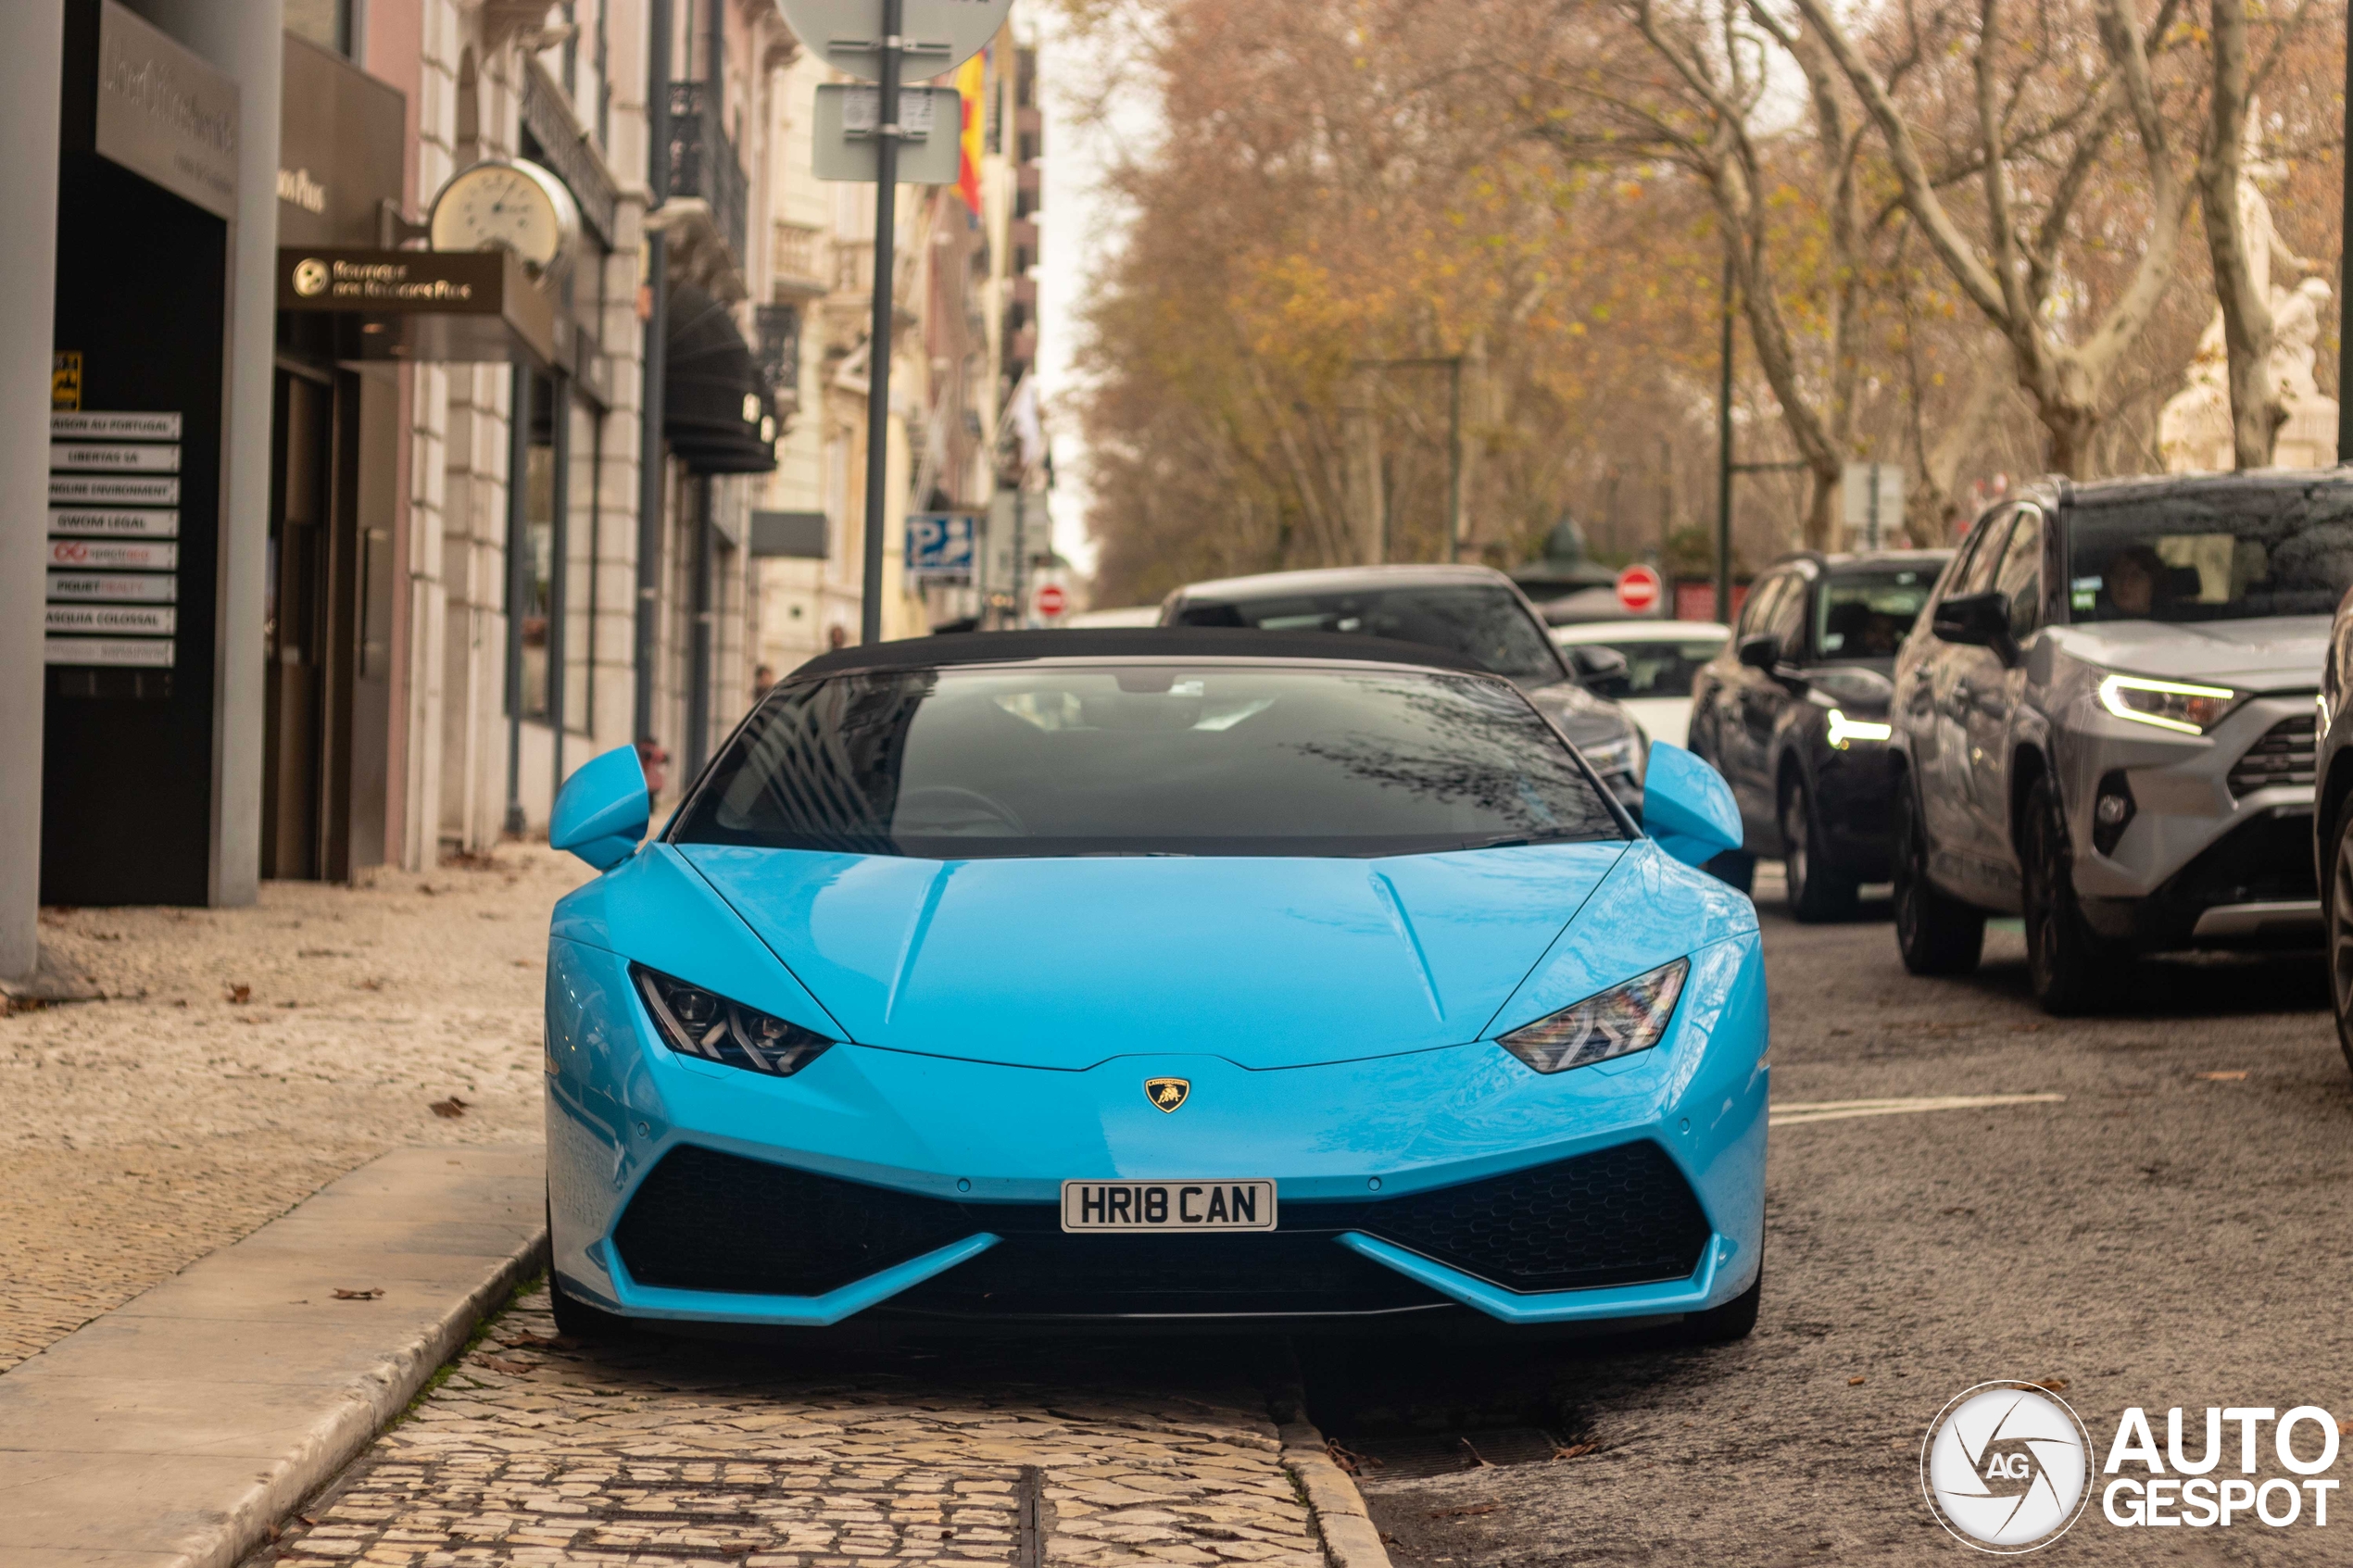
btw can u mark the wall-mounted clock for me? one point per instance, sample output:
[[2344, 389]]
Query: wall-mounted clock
[[508, 204]]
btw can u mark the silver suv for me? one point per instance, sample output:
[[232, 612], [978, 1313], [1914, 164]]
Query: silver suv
[[2104, 722]]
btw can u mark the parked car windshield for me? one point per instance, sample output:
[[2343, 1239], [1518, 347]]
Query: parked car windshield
[[2214, 555], [1146, 760], [1484, 623], [1661, 668], [1869, 614]]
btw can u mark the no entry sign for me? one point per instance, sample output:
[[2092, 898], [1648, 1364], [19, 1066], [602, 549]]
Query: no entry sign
[[1639, 589], [1051, 600]]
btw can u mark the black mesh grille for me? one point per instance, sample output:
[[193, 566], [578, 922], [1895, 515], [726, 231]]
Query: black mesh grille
[[706, 1221], [1039, 1274], [1615, 1216], [2285, 756]]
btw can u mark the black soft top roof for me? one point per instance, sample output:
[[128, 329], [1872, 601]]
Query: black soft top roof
[[1143, 642]]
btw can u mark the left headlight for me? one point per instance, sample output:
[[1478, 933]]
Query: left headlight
[[1619, 1022], [2170, 705], [694, 1021]]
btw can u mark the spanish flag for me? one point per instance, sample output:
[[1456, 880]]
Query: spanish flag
[[971, 83]]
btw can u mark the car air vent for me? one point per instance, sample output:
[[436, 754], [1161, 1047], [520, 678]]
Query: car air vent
[[2285, 756]]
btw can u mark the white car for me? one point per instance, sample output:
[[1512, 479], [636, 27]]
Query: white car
[[1125, 615], [1662, 658]]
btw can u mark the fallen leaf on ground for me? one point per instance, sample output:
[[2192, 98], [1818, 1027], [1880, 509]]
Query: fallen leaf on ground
[[508, 1365], [241, 993], [2223, 1077], [1575, 1451], [1854, 1382], [527, 1340], [367, 1294], [1349, 1459], [448, 1110], [1956, 1208], [2051, 1386], [371, 984], [1464, 1513]]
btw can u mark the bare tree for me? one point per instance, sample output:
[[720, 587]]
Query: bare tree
[[2009, 271]]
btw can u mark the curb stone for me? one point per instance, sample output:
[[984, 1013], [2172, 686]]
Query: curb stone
[[180, 1429], [1351, 1538]]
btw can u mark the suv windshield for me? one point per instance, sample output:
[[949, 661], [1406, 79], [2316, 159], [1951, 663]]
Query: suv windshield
[[2212, 555], [1869, 614], [1146, 760], [1484, 623]]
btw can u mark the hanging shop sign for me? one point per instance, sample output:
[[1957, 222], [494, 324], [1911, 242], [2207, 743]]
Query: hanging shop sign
[[478, 305]]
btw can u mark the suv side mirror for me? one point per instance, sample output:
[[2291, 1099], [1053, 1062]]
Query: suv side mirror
[[1602, 670], [1980, 621], [1760, 650], [603, 809]]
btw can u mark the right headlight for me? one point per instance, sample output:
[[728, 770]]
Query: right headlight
[[1619, 1022], [2170, 705], [694, 1021]]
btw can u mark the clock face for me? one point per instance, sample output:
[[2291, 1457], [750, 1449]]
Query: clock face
[[509, 206]]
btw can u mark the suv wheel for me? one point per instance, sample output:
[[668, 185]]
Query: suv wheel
[[2073, 971], [2339, 892], [1937, 934], [1817, 891]]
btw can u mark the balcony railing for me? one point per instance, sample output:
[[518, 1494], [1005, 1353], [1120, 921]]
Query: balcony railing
[[796, 256], [703, 161]]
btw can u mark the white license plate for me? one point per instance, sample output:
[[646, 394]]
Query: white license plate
[[1168, 1206]]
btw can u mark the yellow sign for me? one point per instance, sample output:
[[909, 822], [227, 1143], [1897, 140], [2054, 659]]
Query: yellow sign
[[65, 379]]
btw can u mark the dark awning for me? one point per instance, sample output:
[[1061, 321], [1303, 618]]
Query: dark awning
[[710, 385]]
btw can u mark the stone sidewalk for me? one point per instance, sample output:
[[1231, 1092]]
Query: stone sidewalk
[[649, 1451], [243, 1058]]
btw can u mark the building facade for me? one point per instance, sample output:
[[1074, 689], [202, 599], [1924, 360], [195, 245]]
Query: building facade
[[415, 516]]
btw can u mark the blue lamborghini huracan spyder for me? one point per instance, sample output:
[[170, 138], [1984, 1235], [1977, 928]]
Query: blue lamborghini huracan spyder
[[1213, 978]]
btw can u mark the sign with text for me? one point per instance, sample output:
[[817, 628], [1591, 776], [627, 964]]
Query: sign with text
[[940, 34], [939, 544]]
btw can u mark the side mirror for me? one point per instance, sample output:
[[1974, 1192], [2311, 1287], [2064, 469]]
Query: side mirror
[[603, 809], [1978, 621], [1760, 650], [1687, 807], [1602, 670]]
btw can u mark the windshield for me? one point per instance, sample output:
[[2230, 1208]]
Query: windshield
[[1480, 622], [2212, 555], [1146, 760], [1869, 614], [1662, 668]]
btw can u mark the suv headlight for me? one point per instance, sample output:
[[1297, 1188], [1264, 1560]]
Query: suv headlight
[[1612, 757], [694, 1021], [1845, 732], [2169, 705], [1619, 1022]]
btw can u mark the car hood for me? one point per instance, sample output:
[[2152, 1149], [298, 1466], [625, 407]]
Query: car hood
[[1066, 963], [2266, 653]]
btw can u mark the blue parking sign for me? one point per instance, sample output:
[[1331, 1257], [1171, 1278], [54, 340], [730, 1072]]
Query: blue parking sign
[[940, 544]]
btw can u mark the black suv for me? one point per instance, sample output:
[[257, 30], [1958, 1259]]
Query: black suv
[[1795, 714]]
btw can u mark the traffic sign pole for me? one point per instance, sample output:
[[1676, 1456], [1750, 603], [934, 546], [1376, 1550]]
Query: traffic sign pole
[[878, 338]]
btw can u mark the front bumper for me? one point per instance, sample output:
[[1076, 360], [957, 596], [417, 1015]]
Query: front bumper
[[886, 1183], [1855, 791], [2219, 849]]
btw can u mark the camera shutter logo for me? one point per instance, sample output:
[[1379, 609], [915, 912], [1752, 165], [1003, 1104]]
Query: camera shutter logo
[[310, 277], [2007, 1467]]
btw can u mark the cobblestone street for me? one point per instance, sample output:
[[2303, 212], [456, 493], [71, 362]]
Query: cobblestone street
[[656, 1451], [242, 1058]]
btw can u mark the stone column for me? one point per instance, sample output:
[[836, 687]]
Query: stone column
[[32, 61]]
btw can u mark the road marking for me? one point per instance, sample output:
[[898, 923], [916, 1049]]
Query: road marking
[[1791, 1114]]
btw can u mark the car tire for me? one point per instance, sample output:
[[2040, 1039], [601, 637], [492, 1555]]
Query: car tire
[[2338, 889], [574, 1317], [1817, 892], [1936, 934], [2071, 969], [1735, 1320]]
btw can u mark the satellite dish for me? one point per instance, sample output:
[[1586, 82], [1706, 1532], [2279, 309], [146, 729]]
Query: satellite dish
[[940, 34]]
